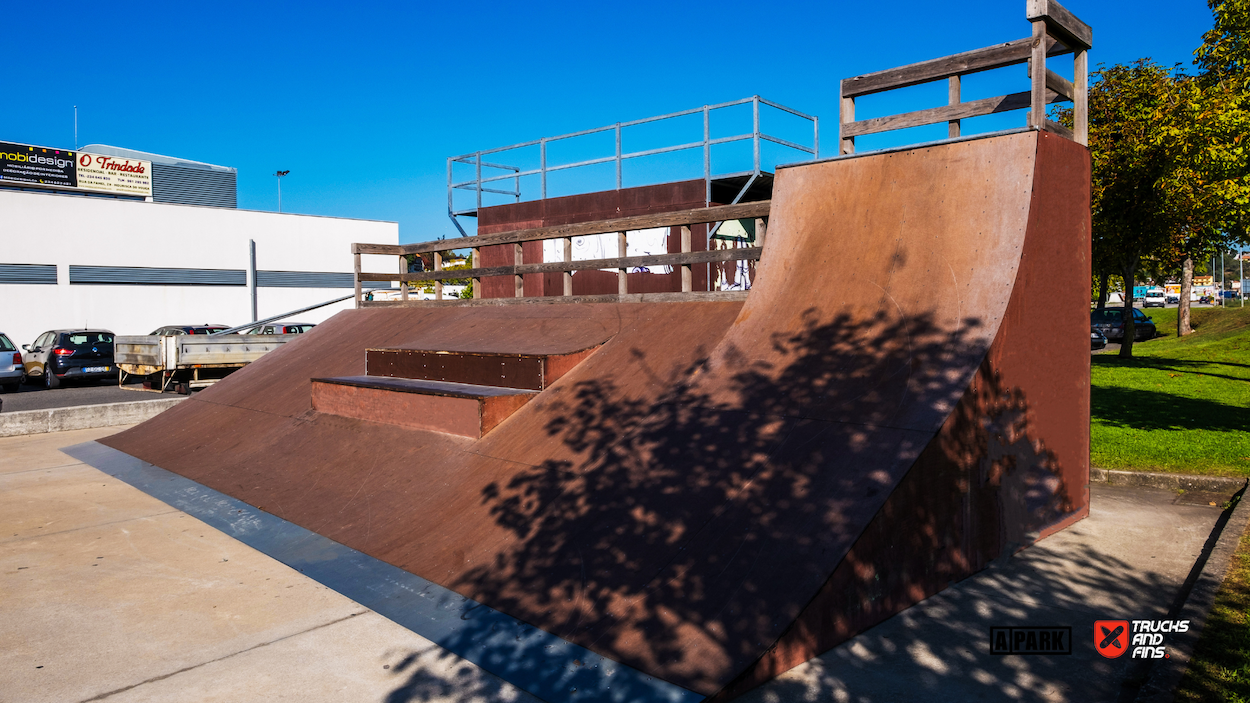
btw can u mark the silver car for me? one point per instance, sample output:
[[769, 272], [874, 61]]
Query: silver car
[[11, 369]]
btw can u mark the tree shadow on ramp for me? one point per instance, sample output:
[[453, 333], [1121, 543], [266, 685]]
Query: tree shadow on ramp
[[695, 525]]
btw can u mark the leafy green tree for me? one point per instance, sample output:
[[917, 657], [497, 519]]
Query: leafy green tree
[[1129, 107]]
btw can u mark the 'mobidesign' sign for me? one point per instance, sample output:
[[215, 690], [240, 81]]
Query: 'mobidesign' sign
[[23, 163], [35, 164]]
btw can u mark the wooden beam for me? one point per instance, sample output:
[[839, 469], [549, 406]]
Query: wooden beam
[[622, 272], [953, 87], [518, 280], [476, 263], [1065, 25], [693, 257], [391, 249], [676, 218], [403, 287], [687, 274], [846, 142], [438, 283], [946, 113], [357, 273], [1080, 98], [1060, 130], [568, 258], [998, 56], [693, 297], [1037, 74], [1059, 84]]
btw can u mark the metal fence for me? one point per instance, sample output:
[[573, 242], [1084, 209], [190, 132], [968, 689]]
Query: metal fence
[[490, 176]]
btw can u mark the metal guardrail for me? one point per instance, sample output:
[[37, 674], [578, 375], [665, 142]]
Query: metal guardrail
[[1056, 31], [479, 184], [620, 226]]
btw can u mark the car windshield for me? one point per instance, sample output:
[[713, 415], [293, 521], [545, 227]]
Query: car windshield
[[1138, 314], [85, 339], [5, 344]]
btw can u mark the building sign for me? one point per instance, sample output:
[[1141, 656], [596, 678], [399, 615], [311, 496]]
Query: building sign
[[35, 164], [114, 174]]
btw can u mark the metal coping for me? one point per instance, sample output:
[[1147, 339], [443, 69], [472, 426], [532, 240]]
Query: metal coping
[[531, 659], [910, 147]]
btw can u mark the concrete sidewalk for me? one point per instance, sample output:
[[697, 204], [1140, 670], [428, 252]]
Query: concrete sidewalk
[[107, 594]]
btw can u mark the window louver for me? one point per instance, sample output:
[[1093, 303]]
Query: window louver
[[32, 273]]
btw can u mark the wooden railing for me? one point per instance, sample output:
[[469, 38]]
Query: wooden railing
[[1055, 32], [684, 259]]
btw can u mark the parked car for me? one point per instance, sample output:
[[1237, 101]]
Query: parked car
[[187, 329], [1174, 300], [11, 369], [1206, 299], [1154, 299], [57, 356], [1110, 322], [283, 328], [1097, 340]]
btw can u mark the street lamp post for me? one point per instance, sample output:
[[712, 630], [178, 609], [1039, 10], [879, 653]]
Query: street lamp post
[[280, 174]]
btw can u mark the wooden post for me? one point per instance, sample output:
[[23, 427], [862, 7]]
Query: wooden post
[[403, 285], [1037, 72], [357, 277], [622, 275], [438, 266], [847, 117], [761, 229], [687, 275], [952, 127], [477, 281], [1080, 101], [568, 259], [518, 258]]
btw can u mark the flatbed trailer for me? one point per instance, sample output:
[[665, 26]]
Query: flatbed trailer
[[189, 361]]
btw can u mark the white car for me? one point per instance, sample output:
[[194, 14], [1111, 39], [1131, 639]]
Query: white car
[[1155, 299], [11, 369]]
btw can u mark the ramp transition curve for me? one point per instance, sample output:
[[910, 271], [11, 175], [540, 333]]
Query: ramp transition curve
[[722, 490]]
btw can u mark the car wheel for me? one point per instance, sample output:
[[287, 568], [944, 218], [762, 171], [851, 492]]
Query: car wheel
[[50, 380]]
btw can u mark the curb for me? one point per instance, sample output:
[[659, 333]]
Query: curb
[[1173, 482], [82, 417], [1166, 674]]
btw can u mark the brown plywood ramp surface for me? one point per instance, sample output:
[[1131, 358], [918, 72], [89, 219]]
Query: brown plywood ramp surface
[[708, 495]]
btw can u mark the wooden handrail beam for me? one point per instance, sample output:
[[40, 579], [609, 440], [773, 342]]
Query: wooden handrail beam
[[946, 113], [1061, 22], [1060, 85], [989, 58], [628, 262]]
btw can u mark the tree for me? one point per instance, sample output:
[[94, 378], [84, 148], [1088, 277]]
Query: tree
[[1210, 186], [1129, 109], [1171, 159]]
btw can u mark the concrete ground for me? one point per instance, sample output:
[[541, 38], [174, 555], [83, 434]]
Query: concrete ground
[[107, 594]]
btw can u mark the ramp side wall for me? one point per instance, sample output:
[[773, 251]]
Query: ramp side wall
[[1009, 466]]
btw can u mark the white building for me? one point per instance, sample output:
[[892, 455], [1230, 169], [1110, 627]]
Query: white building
[[130, 265]]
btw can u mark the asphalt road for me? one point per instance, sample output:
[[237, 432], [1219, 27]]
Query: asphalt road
[[37, 398]]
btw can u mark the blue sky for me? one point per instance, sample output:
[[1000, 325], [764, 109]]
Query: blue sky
[[363, 104]]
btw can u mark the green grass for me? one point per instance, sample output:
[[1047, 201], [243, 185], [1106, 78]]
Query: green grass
[[1219, 671], [1181, 404]]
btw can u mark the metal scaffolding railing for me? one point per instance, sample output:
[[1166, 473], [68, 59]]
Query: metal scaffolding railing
[[489, 172]]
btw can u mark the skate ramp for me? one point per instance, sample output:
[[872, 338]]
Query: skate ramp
[[720, 490]]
